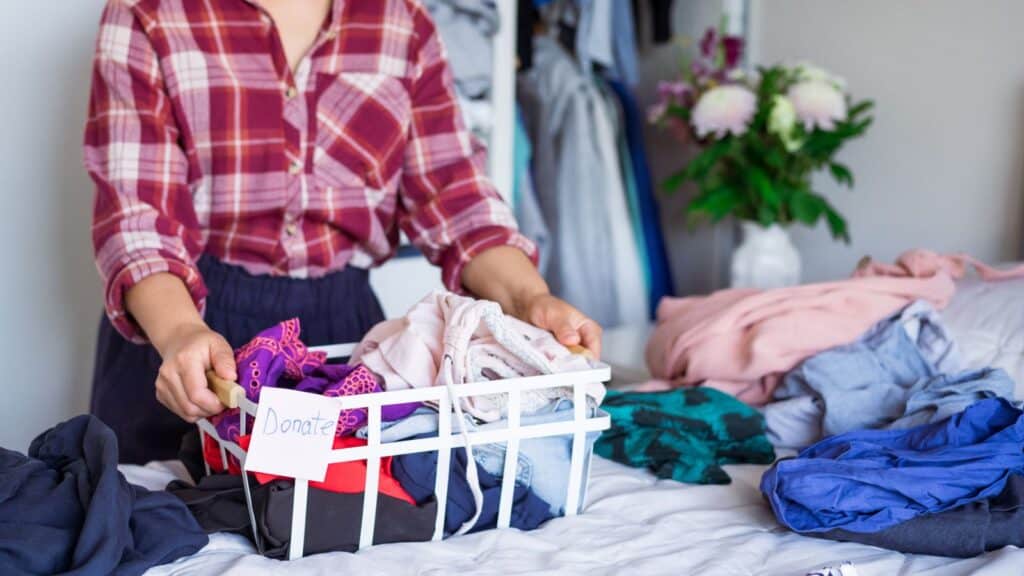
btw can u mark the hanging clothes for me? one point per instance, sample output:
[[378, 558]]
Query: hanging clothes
[[524, 202], [467, 28], [649, 217], [605, 39], [629, 272], [558, 105]]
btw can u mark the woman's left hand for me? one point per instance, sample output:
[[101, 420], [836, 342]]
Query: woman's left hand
[[570, 326], [505, 275]]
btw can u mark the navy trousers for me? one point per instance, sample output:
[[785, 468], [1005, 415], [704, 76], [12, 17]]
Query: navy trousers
[[337, 308]]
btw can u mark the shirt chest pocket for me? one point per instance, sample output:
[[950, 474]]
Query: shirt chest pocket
[[362, 120]]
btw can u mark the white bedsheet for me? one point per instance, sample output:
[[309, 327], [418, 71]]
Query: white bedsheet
[[634, 524], [637, 525]]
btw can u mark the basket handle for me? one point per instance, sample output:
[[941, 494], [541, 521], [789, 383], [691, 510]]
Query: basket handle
[[227, 391], [580, 351]]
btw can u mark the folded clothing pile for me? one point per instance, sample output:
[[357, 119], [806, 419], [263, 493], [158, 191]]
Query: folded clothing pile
[[445, 339]]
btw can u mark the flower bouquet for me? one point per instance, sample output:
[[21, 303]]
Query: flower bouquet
[[761, 136]]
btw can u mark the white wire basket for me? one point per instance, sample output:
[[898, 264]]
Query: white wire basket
[[583, 422]]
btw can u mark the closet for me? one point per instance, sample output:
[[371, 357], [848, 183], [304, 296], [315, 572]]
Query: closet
[[608, 246]]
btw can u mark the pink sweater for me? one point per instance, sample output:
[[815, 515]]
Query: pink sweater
[[741, 341]]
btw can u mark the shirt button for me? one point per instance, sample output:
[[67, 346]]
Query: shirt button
[[295, 168], [291, 229], [332, 34], [291, 92]]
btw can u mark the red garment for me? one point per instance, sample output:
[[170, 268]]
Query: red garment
[[343, 477], [200, 139]]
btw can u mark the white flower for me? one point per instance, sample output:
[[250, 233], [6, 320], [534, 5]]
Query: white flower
[[723, 110], [817, 104], [782, 120], [807, 71]]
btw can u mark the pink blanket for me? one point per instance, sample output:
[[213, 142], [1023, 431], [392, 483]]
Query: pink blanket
[[741, 341]]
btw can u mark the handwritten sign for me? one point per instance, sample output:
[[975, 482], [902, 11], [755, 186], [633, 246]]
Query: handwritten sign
[[293, 434]]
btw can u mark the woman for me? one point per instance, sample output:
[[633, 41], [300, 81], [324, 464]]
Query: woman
[[252, 158]]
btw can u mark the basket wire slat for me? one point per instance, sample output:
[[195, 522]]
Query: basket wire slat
[[444, 397]]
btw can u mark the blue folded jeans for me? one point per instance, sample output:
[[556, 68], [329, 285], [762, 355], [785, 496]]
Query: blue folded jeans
[[543, 463]]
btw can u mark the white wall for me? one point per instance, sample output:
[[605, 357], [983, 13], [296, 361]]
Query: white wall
[[943, 166], [51, 297], [50, 293]]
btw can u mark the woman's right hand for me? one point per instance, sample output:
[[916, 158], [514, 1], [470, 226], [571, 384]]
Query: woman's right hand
[[188, 351]]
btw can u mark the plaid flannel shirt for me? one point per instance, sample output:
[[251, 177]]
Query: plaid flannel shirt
[[202, 140]]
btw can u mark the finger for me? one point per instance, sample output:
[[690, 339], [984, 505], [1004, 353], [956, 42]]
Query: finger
[[198, 391], [185, 409], [590, 334], [164, 396], [566, 333], [223, 360]]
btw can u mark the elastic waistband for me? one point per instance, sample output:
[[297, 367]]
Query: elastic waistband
[[231, 288]]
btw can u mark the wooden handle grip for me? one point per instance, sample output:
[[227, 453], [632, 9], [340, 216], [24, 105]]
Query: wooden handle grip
[[580, 350], [227, 391]]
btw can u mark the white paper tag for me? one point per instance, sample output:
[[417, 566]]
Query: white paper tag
[[293, 434]]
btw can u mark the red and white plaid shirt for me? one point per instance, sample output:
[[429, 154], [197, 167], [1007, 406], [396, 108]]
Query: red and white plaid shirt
[[202, 140]]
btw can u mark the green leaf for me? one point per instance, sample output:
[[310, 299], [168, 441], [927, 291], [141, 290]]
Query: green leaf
[[716, 203], [704, 162], [841, 174], [807, 208], [861, 108], [774, 158], [679, 112], [764, 187], [765, 215], [836, 224], [674, 182]]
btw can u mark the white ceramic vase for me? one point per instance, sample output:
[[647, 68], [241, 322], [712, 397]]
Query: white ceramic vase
[[765, 259]]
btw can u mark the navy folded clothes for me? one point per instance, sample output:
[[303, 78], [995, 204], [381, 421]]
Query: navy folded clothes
[[65, 508], [417, 473], [333, 519], [963, 532], [871, 480]]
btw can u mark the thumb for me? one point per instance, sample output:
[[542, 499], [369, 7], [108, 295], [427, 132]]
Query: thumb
[[567, 334], [223, 360]]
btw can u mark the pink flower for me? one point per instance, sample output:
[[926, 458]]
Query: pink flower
[[656, 112], [675, 91], [818, 103], [723, 110]]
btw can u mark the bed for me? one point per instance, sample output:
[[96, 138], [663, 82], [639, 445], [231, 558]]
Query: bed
[[637, 524]]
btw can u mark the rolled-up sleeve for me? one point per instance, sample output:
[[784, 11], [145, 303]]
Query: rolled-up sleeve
[[144, 220], [448, 207]]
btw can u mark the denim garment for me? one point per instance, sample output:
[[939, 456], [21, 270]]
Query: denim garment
[[543, 462], [904, 372], [871, 480], [964, 532]]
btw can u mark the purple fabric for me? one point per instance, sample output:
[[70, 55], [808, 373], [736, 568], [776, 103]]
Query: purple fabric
[[277, 358], [327, 378]]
